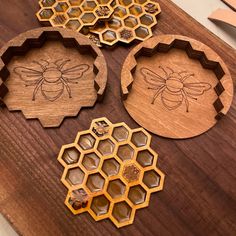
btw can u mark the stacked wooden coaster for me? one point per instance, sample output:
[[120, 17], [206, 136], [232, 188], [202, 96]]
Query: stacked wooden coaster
[[105, 22]]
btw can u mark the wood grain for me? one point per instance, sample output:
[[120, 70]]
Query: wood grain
[[52, 74], [170, 81], [199, 196]]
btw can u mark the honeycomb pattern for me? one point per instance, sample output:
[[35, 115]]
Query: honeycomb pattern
[[110, 171], [74, 14], [132, 19], [103, 21]]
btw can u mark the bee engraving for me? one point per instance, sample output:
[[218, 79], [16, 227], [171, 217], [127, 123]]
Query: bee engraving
[[51, 78], [174, 88]]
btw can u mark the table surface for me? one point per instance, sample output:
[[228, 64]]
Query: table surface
[[199, 196]]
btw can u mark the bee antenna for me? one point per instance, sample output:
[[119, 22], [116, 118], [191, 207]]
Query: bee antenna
[[61, 65], [58, 61], [170, 69], [47, 63], [162, 68], [41, 65]]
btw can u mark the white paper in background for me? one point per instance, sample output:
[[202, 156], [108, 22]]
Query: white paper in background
[[5, 228], [201, 9]]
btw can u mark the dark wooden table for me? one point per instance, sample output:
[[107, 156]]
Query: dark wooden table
[[199, 196]]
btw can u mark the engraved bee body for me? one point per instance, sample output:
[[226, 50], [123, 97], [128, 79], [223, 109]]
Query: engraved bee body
[[52, 78], [173, 88]]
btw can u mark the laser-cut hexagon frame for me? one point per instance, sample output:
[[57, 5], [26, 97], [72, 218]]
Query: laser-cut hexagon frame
[[36, 38], [131, 20], [123, 186], [73, 14]]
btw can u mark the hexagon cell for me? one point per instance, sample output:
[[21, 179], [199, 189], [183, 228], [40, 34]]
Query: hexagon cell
[[112, 173]]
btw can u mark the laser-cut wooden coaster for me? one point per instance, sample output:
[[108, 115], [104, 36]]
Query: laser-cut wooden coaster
[[175, 86], [132, 19], [51, 73], [74, 14], [110, 172]]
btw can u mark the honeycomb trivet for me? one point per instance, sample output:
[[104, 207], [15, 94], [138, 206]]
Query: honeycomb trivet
[[110, 172], [132, 19], [74, 14]]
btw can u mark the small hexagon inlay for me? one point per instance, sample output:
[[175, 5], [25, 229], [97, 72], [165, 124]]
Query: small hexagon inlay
[[131, 173]]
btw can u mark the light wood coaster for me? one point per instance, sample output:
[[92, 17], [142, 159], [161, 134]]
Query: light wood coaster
[[110, 172], [51, 73], [175, 86]]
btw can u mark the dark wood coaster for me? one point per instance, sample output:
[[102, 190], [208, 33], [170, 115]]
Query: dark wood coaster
[[175, 86], [51, 73]]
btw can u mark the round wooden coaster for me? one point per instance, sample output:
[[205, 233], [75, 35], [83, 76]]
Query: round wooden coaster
[[175, 86], [51, 73]]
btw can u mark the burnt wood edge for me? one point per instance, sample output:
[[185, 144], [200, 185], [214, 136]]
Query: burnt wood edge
[[193, 54], [38, 42]]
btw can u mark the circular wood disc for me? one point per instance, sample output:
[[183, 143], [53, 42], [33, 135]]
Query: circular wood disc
[[176, 87], [51, 73]]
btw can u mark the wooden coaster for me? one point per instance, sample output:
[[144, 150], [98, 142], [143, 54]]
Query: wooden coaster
[[175, 86], [110, 172], [132, 19], [51, 73], [74, 14]]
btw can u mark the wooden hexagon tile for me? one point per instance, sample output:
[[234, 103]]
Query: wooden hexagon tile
[[51, 73], [110, 172]]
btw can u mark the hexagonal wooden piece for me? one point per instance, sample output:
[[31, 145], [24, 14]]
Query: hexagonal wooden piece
[[51, 73], [115, 186]]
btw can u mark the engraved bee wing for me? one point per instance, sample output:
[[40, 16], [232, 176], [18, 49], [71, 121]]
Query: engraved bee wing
[[196, 89], [29, 75], [74, 73], [152, 78]]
